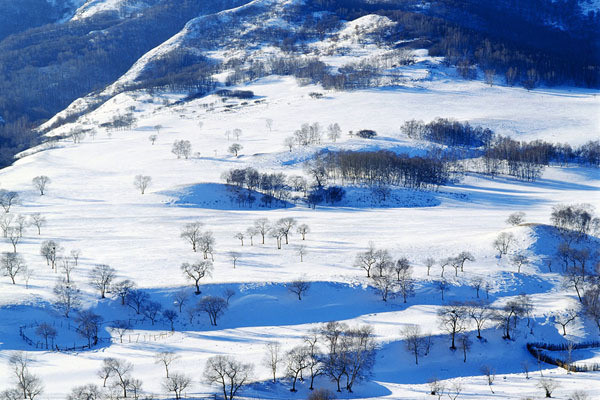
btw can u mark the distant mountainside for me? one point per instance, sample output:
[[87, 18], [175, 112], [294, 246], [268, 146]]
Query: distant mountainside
[[54, 52]]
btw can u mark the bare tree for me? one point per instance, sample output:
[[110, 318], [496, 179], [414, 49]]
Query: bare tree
[[429, 262], [286, 225], [289, 142], [516, 218], [366, 260], [269, 124], [141, 182], [136, 299], [235, 149], [152, 139], [101, 277], [192, 232], [67, 297], [465, 344], [385, 286], [548, 385], [182, 148], [454, 390], [414, 341], [313, 356], [85, 392], [263, 227], [476, 283], [67, 267], [508, 315], [444, 263], [28, 385], [334, 132], [152, 310], [573, 280], [12, 264], [165, 358], [75, 254], [120, 373], [240, 236], [228, 373], [503, 243], [21, 224], [14, 237], [406, 283], [206, 244], [452, 319], [228, 293], [436, 388], [88, 324], [5, 223], [301, 251], [383, 261], [297, 361], [481, 314], [235, 256], [442, 286], [181, 297], [273, 358], [214, 306], [8, 199], [51, 250], [250, 233], [170, 316], [40, 183], [121, 327], [563, 318], [518, 260], [122, 289], [177, 383], [490, 375], [197, 271], [46, 331], [303, 229], [462, 257], [298, 287]]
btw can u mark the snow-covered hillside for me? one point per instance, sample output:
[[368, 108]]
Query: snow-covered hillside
[[91, 204]]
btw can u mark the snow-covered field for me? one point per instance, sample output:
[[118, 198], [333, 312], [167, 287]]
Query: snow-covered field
[[91, 204]]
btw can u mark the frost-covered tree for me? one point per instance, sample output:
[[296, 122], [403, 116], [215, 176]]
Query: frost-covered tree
[[503, 243], [152, 138], [12, 264], [235, 149], [516, 218], [141, 182], [301, 251], [366, 260], [40, 183], [8, 199], [38, 221], [263, 227], [51, 250], [303, 229], [285, 225], [66, 297], [165, 358], [334, 132], [182, 148], [86, 392], [28, 385]]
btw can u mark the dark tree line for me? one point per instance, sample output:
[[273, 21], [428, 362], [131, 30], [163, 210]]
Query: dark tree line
[[383, 168]]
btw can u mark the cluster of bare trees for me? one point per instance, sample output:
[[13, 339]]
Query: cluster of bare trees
[[272, 186], [310, 134], [182, 148], [201, 241], [279, 230], [448, 132], [390, 277], [27, 385], [337, 351]]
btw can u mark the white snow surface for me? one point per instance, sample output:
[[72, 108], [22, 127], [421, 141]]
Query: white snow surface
[[92, 205]]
